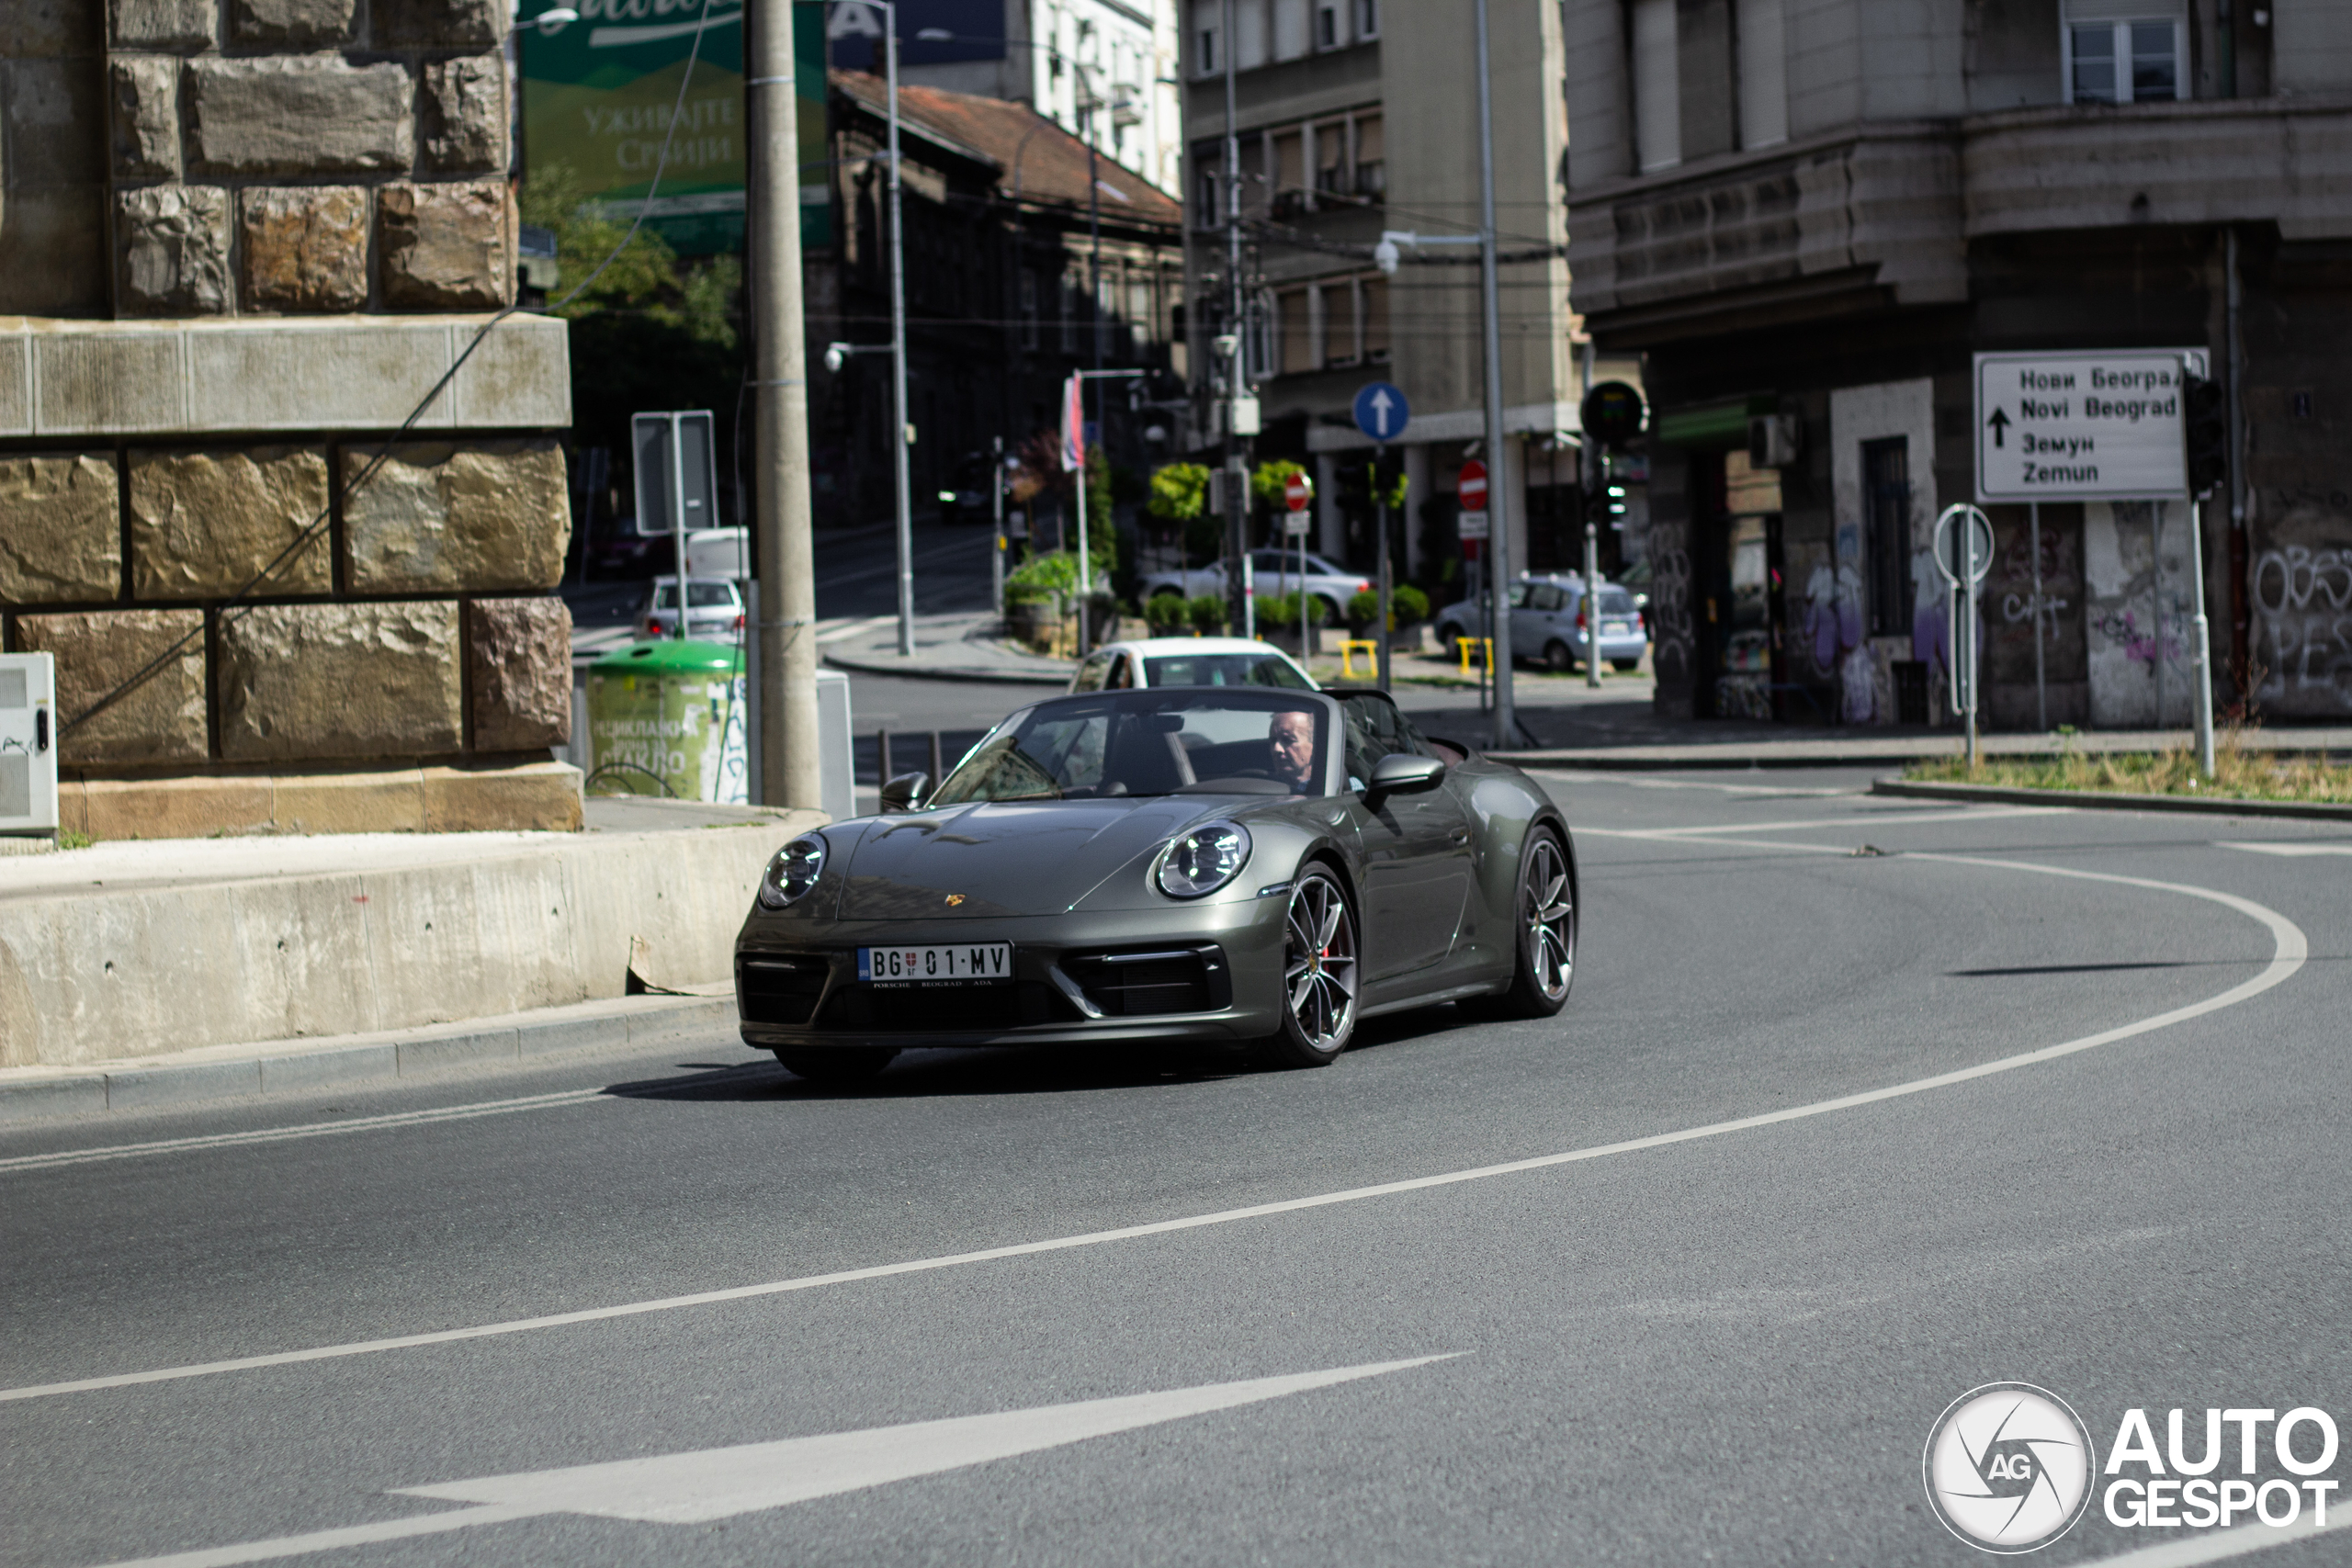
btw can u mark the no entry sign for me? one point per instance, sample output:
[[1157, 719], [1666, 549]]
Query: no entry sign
[[1297, 491], [1470, 495]]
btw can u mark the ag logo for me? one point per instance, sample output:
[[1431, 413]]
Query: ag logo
[[2008, 1467]]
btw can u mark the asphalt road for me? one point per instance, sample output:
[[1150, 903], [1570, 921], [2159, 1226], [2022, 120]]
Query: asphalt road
[[1723, 1343]]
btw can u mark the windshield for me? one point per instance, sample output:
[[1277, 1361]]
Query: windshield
[[1226, 669], [1197, 741], [699, 596]]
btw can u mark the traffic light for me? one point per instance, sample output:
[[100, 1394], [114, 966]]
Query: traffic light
[[2208, 435]]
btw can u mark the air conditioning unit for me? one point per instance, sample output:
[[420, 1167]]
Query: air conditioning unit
[[28, 743], [1774, 440]]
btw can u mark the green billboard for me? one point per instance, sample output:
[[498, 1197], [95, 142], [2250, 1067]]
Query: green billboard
[[597, 96]]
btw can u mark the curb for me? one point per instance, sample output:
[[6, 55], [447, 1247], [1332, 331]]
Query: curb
[[1669, 760], [287, 1067], [2099, 801], [1016, 677]]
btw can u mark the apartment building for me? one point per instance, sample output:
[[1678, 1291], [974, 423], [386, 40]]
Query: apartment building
[[1821, 209], [1358, 116], [1105, 70]]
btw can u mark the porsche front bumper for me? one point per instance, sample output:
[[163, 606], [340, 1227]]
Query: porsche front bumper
[[1208, 972]]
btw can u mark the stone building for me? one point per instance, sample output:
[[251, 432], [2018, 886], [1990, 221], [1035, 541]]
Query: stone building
[[242, 243], [1822, 210], [1006, 292], [1357, 117]]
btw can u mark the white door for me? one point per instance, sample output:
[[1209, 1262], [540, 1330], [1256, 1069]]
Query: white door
[[28, 743]]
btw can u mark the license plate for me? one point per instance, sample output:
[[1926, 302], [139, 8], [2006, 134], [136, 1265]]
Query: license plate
[[1613, 628], [959, 964]]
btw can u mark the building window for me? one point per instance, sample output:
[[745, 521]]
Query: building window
[[1886, 521], [1208, 17], [1028, 308], [1295, 331], [1342, 323], [1762, 38], [1331, 158], [1375, 320], [1367, 18], [1327, 33], [1290, 173], [2130, 62], [1371, 170]]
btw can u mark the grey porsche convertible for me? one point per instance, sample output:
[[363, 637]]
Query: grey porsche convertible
[[1209, 864]]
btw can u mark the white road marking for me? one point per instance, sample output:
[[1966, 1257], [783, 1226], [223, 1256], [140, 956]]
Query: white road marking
[[1643, 781], [2289, 950], [1898, 817], [282, 1135], [2217, 1546], [2289, 849], [718, 1483]]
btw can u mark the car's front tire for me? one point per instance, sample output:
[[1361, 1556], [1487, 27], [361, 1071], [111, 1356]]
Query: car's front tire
[[848, 1065], [1543, 922], [1319, 975]]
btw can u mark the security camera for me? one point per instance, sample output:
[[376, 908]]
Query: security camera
[[1226, 343], [1383, 257], [836, 354]]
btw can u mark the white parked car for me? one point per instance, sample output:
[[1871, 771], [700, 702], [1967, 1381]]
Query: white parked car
[[1189, 661], [1273, 573], [714, 609]]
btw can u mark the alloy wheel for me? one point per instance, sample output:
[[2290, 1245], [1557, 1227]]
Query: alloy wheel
[[1547, 909], [1320, 965]]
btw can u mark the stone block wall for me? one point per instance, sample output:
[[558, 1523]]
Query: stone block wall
[[241, 241]]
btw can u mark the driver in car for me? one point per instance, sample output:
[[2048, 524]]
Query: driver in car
[[1292, 738]]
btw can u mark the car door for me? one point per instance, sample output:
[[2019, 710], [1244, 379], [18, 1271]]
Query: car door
[[1417, 851]]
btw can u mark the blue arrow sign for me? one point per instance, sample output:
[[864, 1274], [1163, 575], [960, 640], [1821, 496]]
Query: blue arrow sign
[[1382, 412]]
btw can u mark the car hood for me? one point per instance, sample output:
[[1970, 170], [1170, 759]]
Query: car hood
[[1003, 858]]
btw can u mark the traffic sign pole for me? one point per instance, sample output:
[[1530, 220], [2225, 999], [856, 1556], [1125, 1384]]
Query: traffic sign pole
[[1382, 413], [2204, 706], [1964, 555], [1385, 607], [2040, 671]]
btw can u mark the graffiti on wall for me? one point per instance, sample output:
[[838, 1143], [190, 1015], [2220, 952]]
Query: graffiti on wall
[[2300, 598], [1669, 615], [2136, 585]]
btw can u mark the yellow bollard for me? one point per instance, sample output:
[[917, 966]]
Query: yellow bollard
[[1348, 647], [1466, 643]]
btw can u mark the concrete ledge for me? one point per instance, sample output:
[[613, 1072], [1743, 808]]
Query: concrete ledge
[[62, 378], [2100, 800], [461, 941], [285, 1066], [529, 798]]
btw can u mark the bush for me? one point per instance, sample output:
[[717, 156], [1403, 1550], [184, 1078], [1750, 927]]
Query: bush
[[1277, 614], [1206, 614], [1166, 613], [1407, 606], [1045, 576]]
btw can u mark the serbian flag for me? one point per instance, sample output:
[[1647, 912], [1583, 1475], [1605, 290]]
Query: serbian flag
[[1073, 423]]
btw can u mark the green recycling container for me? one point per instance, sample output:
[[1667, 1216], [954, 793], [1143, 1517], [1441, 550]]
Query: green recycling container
[[668, 718]]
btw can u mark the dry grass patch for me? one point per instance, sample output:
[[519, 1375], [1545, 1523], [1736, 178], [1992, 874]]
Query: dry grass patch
[[2239, 772]]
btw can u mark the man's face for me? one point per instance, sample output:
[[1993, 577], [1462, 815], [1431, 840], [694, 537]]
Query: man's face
[[1293, 735]]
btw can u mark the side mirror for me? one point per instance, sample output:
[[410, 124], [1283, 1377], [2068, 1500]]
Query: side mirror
[[1401, 772], [903, 792]]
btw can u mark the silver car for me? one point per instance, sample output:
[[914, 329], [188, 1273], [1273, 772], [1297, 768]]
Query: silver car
[[1273, 574], [1547, 624], [714, 609]]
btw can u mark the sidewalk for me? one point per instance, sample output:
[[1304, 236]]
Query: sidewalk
[[948, 648]]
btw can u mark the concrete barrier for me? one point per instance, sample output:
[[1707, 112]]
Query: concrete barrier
[[405, 934]]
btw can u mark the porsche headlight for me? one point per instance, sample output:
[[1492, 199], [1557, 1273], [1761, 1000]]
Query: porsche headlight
[[793, 871], [1202, 861]]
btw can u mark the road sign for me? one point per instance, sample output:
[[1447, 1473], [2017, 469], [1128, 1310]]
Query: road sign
[[1470, 494], [1963, 546], [677, 471], [1295, 524], [2081, 427], [1382, 412], [1612, 414], [1470, 490], [1297, 491]]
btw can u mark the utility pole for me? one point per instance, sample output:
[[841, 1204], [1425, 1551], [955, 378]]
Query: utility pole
[[1236, 484], [898, 352], [789, 775], [1498, 484]]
